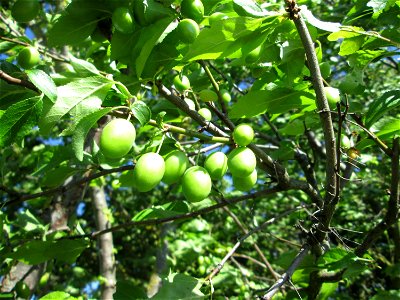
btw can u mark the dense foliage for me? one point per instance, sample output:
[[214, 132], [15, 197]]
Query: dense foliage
[[302, 202]]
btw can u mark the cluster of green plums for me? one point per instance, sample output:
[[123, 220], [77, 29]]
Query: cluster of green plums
[[118, 137], [126, 19]]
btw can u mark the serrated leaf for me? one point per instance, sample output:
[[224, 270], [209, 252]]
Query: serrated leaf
[[19, 119], [82, 129], [70, 30], [246, 8], [43, 82], [276, 101], [351, 45], [141, 112], [83, 67], [388, 101], [79, 98], [57, 296], [154, 34], [36, 252], [180, 286], [128, 290], [223, 40]]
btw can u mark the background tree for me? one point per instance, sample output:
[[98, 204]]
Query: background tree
[[175, 203]]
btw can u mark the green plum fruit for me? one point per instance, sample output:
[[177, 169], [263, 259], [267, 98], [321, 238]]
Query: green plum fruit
[[148, 172], [181, 83], [241, 162], [176, 163], [196, 184], [122, 20], [245, 184], [243, 135], [117, 138], [216, 165], [28, 57], [193, 9], [25, 10], [188, 30], [205, 113]]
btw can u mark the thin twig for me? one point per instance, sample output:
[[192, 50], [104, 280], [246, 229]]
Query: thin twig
[[16, 81]]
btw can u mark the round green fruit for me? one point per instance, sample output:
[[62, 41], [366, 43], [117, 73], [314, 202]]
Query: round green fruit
[[148, 12], [44, 279], [25, 10], [245, 184], [117, 138], [28, 57], [181, 83], [216, 17], [208, 95], [188, 30], [205, 113], [22, 290], [148, 172], [253, 55], [216, 165], [332, 95], [176, 163], [241, 162], [193, 9], [196, 184], [225, 95], [243, 135], [122, 20]]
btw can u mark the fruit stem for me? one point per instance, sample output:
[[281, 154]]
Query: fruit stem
[[198, 154], [162, 141]]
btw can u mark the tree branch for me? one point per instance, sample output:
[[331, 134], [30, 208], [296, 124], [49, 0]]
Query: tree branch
[[16, 81], [244, 237], [286, 276]]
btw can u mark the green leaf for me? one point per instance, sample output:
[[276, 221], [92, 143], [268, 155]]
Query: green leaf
[[57, 176], [276, 101], [82, 129], [78, 98], [387, 295], [70, 30], [43, 82], [162, 211], [57, 296], [36, 252], [154, 34], [28, 222], [222, 40], [180, 286], [128, 290], [246, 8], [19, 119], [346, 32], [327, 289], [387, 102], [351, 45], [336, 259], [141, 112], [83, 67]]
